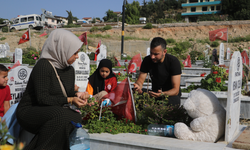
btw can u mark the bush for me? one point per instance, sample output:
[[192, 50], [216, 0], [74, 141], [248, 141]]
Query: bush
[[148, 26], [5, 60], [30, 55], [170, 41], [5, 29], [91, 56], [2, 38], [191, 39], [94, 29], [215, 44], [107, 27]]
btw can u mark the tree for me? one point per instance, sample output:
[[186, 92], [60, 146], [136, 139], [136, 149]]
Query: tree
[[236, 9], [70, 17], [111, 16], [132, 12]]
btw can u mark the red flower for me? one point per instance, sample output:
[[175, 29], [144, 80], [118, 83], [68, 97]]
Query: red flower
[[110, 130], [203, 74], [146, 130], [138, 131], [218, 80], [124, 70], [215, 72], [126, 60], [119, 74]]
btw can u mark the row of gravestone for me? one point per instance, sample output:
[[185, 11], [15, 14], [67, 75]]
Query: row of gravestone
[[18, 77]]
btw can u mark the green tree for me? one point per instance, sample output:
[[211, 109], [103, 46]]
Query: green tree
[[132, 13], [111, 16], [236, 9], [70, 17]]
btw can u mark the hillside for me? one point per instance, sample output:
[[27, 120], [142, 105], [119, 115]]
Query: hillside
[[140, 37]]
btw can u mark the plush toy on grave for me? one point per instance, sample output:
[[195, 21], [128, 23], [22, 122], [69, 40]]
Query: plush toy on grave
[[208, 123]]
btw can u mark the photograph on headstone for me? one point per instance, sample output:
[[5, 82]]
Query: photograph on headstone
[[18, 80], [233, 97], [102, 54], [221, 59], [19, 55], [82, 70]]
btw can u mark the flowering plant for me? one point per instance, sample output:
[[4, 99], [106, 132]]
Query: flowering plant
[[31, 55], [215, 81]]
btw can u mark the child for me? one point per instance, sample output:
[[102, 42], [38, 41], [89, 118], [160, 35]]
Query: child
[[102, 81], [4, 91]]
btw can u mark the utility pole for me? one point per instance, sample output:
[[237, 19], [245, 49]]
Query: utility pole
[[123, 20]]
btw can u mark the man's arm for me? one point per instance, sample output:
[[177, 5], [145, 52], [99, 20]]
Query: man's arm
[[176, 81], [139, 83]]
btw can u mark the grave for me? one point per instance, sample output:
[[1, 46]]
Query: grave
[[18, 80], [3, 50], [82, 70], [102, 54], [243, 141], [19, 55], [233, 97], [221, 59]]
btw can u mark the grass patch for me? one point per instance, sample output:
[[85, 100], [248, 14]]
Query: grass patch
[[135, 38], [2, 38]]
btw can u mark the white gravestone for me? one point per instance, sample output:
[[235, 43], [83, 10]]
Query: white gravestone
[[148, 51], [221, 60], [3, 50], [228, 53], [82, 70], [19, 55], [233, 97], [18, 80], [102, 54]]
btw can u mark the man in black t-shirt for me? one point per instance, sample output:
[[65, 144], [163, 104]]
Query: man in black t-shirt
[[164, 70]]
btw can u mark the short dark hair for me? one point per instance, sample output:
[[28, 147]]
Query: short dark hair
[[3, 68], [158, 41]]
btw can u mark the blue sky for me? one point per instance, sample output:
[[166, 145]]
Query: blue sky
[[79, 8]]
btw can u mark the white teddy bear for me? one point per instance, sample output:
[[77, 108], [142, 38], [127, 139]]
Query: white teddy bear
[[208, 115]]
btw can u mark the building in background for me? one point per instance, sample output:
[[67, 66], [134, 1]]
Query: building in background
[[195, 8]]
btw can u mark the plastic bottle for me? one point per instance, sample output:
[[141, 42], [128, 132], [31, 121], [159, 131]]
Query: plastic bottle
[[161, 130], [79, 138]]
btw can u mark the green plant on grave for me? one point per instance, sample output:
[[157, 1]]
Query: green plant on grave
[[148, 111], [193, 54], [215, 81], [30, 55], [5, 60], [92, 69], [151, 111]]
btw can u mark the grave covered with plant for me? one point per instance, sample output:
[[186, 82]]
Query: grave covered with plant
[[148, 111]]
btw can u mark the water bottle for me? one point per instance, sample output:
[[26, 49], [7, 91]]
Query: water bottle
[[161, 130], [79, 138]]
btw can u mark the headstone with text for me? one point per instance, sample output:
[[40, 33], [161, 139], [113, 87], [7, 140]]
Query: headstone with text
[[228, 53], [18, 55], [233, 97], [102, 54], [221, 60], [82, 70], [18, 80]]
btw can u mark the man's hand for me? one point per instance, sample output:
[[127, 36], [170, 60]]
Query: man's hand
[[137, 88], [76, 87], [155, 94]]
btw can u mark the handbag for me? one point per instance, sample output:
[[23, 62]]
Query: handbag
[[71, 106]]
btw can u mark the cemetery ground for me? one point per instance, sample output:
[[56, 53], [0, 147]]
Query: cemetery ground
[[137, 39], [137, 35]]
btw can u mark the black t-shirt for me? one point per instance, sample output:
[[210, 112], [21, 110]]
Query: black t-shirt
[[160, 73]]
